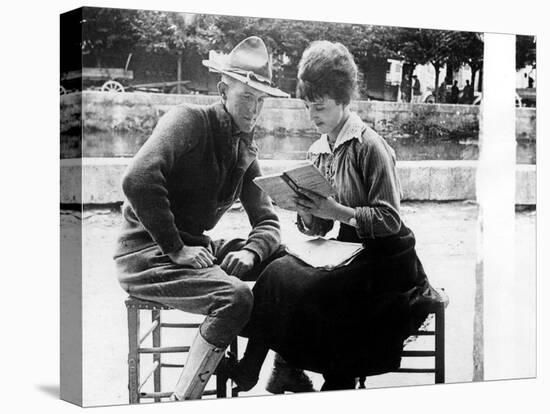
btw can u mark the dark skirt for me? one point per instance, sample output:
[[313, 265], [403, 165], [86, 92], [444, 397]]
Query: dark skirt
[[349, 321]]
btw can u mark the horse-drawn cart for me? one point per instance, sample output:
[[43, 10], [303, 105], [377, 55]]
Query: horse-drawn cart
[[115, 80], [104, 79]]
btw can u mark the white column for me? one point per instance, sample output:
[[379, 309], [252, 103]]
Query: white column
[[501, 347]]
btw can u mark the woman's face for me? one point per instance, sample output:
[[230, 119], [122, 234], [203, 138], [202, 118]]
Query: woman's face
[[326, 114]]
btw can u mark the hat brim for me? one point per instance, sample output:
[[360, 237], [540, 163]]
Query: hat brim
[[270, 90]]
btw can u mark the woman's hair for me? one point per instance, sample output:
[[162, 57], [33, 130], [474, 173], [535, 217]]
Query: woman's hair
[[327, 69]]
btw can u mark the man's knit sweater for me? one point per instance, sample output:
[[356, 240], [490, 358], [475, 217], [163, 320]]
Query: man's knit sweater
[[186, 176]]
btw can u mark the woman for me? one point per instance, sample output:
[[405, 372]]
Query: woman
[[350, 321]]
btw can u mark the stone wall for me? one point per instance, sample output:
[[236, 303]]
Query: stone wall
[[97, 180], [436, 144], [116, 125]]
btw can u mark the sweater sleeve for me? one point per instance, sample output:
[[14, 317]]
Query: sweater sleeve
[[145, 181], [380, 216], [265, 236]]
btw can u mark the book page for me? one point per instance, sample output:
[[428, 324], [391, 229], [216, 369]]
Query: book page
[[323, 253], [310, 178], [277, 188]]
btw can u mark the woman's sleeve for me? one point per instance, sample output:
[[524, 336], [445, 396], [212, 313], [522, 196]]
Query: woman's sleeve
[[380, 216], [319, 226]]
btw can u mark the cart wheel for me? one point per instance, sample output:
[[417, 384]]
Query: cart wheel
[[62, 90], [430, 99], [112, 86]]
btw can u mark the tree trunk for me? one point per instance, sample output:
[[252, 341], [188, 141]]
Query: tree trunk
[[480, 83], [180, 64], [411, 71], [436, 88]]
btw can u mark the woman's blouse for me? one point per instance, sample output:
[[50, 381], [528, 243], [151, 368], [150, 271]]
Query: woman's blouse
[[361, 167]]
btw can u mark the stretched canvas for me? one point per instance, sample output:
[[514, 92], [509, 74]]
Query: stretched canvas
[[457, 108]]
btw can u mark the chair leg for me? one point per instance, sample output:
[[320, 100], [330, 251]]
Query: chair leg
[[221, 385], [221, 380], [155, 316], [234, 348], [133, 355], [440, 344]]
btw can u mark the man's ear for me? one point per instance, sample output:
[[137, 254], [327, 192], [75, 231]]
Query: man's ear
[[222, 90]]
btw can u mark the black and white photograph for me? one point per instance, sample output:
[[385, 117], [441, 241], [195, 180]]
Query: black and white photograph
[[266, 206], [279, 207]]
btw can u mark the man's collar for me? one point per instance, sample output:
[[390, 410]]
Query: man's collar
[[227, 125], [223, 117], [352, 129]]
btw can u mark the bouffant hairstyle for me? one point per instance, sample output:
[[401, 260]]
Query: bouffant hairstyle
[[327, 69]]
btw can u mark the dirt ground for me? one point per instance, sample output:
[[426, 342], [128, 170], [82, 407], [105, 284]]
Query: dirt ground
[[446, 244]]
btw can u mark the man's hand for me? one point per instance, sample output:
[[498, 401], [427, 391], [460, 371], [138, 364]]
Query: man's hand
[[239, 262], [197, 257]]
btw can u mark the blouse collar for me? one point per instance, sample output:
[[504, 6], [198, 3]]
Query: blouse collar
[[352, 129]]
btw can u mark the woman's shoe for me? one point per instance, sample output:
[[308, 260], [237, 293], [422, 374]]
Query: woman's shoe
[[286, 378], [338, 383], [236, 371]]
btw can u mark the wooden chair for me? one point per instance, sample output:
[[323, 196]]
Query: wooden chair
[[134, 306], [435, 306], [136, 381]]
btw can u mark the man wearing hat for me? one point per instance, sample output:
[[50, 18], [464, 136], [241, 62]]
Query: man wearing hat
[[197, 162]]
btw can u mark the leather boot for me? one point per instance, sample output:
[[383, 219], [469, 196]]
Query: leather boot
[[202, 360], [242, 377], [286, 378]]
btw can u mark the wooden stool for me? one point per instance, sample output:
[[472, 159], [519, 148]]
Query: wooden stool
[[135, 384], [435, 306]]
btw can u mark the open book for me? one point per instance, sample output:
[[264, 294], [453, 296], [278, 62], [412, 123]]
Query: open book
[[283, 187], [323, 253]]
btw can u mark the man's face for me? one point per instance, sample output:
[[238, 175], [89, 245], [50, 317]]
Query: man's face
[[244, 104]]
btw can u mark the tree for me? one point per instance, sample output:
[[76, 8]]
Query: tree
[[525, 51], [177, 34], [467, 47], [105, 30], [287, 39], [421, 46]]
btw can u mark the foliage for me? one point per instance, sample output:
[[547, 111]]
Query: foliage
[[181, 33], [467, 47], [174, 33], [426, 123], [287, 39], [525, 51], [421, 46], [107, 29]]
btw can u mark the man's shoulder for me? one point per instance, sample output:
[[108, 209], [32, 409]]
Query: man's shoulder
[[187, 112], [184, 118]]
